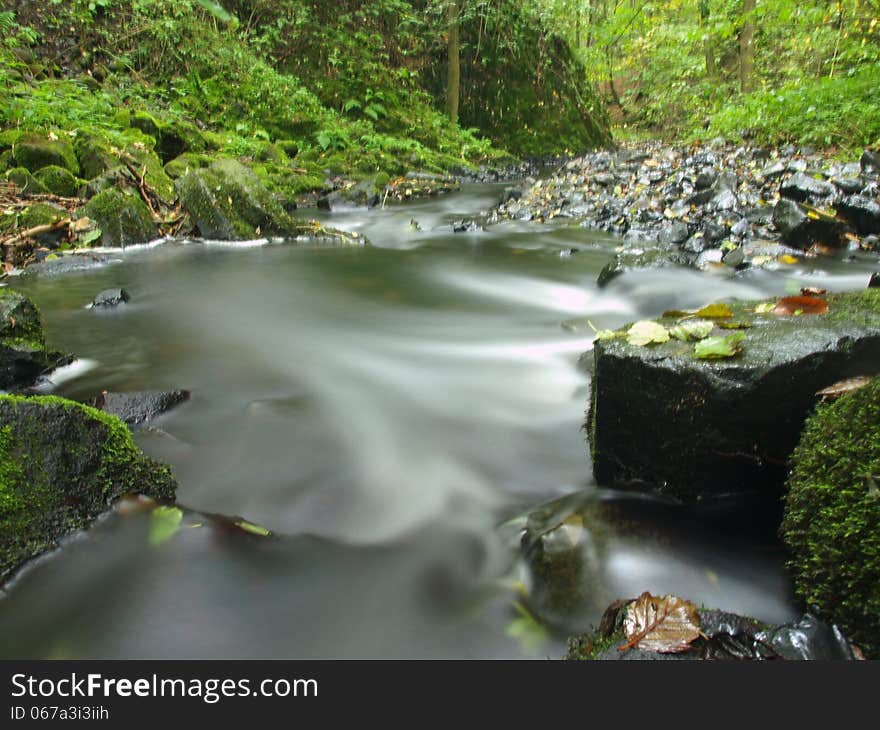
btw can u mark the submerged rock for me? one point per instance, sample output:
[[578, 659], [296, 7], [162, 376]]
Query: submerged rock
[[24, 356], [61, 465], [138, 407], [662, 420], [831, 525]]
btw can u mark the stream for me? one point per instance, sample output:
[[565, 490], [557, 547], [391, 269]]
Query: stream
[[392, 414]]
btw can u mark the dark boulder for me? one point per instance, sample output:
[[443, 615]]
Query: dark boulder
[[803, 188], [138, 407], [662, 420], [24, 356], [861, 213], [802, 227], [111, 298], [870, 162], [62, 464]]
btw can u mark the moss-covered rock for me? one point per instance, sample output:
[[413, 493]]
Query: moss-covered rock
[[35, 152], [95, 155], [58, 181], [26, 183], [182, 164], [832, 514], [61, 465], [41, 214], [661, 419], [227, 201], [23, 352], [122, 217], [172, 138]]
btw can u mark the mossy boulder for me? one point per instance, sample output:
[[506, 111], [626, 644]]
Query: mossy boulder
[[26, 183], [95, 156], [34, 152], [831, 525], [662, 420], [182, 164], [23, 352], [122, 216], [41, 214], [227, 201], [58, 181], [171, 138], [61, 465]]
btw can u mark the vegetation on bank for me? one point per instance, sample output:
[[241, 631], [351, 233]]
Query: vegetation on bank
[[774, 71]]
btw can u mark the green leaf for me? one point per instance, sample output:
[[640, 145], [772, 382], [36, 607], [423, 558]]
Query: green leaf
[[164, 525], [714, 311], [647, 332], [530, 633], [90, 237], [252, 528], [765, 307], [697, 329], [607, 335], [713, 348]]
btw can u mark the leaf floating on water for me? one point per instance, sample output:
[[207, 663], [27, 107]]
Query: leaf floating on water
[[800, 305], [666, 625], [253, 529], [697, 329], [716, 348], [164, 524], [647, 333], [842, 387]]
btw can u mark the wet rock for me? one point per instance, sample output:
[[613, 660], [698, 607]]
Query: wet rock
[[111, 298], [362, 194], [674, 233], [850, 185], [24, 356], [802, 227], [123, 218], [63, 464], [732, 423], [803, 188], [861, 213], [728, 636], [870, 163], [135, 408], [645, 257]]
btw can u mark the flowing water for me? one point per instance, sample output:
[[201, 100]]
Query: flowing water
[[391, 413]]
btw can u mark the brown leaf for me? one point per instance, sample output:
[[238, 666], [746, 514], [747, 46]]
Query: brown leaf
[[666, 625], [842, 387], [800, 305], [812, 291]]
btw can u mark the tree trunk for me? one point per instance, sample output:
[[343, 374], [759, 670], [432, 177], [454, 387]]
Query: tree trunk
[[453, 77], [747, 47], [708, 50]]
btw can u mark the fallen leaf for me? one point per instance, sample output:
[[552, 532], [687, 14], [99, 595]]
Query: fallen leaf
[[735, 325], [764, 307], [164, 524], [714, 311], [252, 528], [812, 291], [697, 329], [647, 332], [800, 305], [716, 348], [842, 387], [787, 259], [607, 335], [666, 625]]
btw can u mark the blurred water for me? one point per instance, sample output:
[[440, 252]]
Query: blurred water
[[391, 412]]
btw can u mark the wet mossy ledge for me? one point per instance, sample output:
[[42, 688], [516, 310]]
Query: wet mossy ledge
[[831, 526], [24, 356], [662, 420], [61, 465]]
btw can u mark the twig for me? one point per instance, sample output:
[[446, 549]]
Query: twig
[[35, 231]]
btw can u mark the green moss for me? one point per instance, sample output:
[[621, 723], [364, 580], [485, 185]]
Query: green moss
[[832, 514], [58, 181], [122, 217], [25, 182], [11, 477], [179, 166], [35, 152], [41, 214]]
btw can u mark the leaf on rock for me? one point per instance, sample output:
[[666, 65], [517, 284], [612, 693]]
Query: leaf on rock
[[646, 332], [715, 348], [607, 335], [842, 387], [764, 307], [253, 529], [740, 325], [164, 524], [696, 329], [715, 311], [666, 625], [812, 291], [800, 305]]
